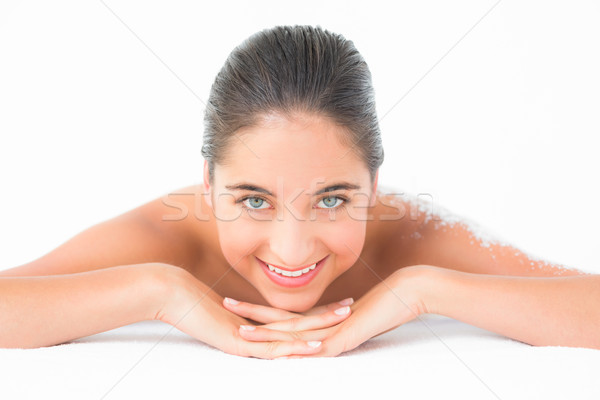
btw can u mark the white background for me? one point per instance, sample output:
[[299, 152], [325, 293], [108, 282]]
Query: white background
[[503, 129]]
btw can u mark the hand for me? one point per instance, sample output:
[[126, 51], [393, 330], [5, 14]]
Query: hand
[[195, 309], [391, 303], [265, 314], [317, 317]]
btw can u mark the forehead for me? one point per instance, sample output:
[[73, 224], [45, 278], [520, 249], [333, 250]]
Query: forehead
[[297, 150]]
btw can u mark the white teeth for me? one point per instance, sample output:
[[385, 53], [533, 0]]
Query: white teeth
[[292, 273]]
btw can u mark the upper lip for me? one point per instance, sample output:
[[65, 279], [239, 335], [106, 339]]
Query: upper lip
[[292, 270]]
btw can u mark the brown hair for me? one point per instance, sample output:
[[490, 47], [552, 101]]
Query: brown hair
[[289, 69]]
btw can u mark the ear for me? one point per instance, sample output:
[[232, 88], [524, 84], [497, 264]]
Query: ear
[[373, 200], [206, 185]]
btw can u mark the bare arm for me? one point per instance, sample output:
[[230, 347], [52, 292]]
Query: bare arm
[[549, 311], [47, 310], [112, 274]]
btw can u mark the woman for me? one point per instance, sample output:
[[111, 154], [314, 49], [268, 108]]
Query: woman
[[266, 257]]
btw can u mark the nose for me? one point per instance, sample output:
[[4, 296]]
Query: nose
[[292, 241]]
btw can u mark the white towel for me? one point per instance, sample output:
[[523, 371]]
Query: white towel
[[432, 357]]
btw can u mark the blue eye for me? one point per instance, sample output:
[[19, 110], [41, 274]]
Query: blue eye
[[255, 203], [258, 203], [331, 202]]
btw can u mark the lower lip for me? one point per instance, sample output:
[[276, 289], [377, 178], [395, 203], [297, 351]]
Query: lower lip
[[292, 282]]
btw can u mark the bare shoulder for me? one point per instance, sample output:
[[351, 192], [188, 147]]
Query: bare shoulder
[[163, 230], [393, 231], [184, 217], [177, 212], [429, 233]]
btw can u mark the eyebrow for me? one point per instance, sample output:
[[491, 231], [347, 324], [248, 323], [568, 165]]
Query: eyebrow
[[330, 188]]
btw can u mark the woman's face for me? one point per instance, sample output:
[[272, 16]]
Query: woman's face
[[290, 195]]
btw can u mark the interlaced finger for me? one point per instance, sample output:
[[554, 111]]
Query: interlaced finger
[[260, 334], [258, 313], [304, 323], [328, 307], [271, 350]]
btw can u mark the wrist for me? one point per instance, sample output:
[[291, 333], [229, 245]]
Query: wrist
[[429, 285], [165, 285]]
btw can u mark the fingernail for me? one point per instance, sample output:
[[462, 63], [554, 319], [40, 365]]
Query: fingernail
[[314, 344], [231, 301], [342, 310], [346, 302], [248, 327]]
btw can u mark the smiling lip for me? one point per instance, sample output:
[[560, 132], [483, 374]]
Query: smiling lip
[[291, 282], [292, 270]]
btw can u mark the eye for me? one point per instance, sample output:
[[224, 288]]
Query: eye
[[255, 203], [331, 202]]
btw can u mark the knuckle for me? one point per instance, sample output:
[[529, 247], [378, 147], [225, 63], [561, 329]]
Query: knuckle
[[293, 323], [342, 343], [271, 349], [348, 343], [296, 335], [344, 347], [240, 348]]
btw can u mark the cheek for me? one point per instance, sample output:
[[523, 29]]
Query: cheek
[[345, 239], [238, 238]]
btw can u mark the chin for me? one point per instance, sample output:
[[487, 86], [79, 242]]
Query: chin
[[294, 305]]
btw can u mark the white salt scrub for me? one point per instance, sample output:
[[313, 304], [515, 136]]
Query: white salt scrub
[[442, 217]]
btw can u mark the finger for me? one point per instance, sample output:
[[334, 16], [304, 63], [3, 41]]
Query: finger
[[261, 334], [258, 313], [328, 307], [363, 325], [340, 341], [332, 347], [271, 350], [303, 323]]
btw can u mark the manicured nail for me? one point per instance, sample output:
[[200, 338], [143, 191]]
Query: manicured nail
[[342, 310], [231, 301], [314, 344], [346, 302], [248, 327]]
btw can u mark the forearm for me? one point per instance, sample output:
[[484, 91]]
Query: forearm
[[48, 310], [561, 311]]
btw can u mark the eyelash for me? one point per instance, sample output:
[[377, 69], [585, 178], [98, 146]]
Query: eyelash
[[241, 201]]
